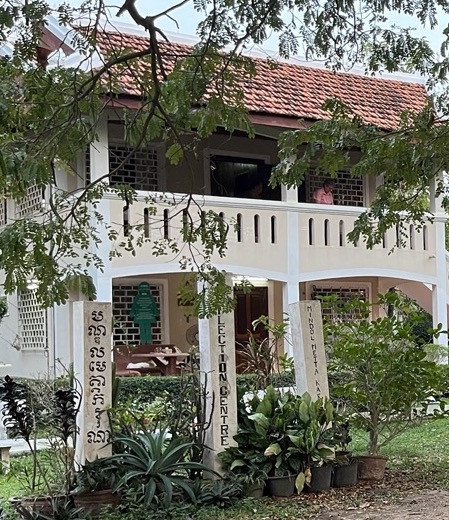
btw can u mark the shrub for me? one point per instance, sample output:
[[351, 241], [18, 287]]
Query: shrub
[[149, 388], [383, 375]]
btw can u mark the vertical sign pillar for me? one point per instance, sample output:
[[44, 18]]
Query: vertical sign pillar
[[308, 348], [92, 325], [217, 359]]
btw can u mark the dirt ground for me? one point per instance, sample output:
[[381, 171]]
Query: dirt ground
[[422, 505]]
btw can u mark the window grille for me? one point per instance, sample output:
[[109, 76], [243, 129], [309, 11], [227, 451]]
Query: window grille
[[343, 294], [32, 322], [31, 203], [140, 171], [87, 167], [3, 213], [348, 191], [125, 331]]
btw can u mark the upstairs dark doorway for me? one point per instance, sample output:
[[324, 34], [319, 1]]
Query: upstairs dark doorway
[[242, 178]]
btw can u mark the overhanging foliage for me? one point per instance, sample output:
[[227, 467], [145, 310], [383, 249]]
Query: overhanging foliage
[[50, 115]]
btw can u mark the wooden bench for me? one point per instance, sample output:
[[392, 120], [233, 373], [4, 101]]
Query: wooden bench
[[5, 447]]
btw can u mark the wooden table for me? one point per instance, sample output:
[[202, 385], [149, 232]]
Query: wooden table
[[168, 369]]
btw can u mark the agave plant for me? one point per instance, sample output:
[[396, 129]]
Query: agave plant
[[153, 464]]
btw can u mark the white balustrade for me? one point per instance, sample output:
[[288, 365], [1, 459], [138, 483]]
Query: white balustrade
[[258, 236]]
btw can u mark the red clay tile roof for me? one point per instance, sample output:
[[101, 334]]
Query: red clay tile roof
[[297, 91]]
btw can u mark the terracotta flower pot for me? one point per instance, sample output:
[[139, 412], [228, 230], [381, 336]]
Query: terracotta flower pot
[[371, 467], [93, 502], [29, 507]]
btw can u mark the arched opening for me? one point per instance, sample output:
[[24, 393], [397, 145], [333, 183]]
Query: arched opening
[[166, 220], [146, 223], [273, 230], [412, 236], [239, 227], [425, 238], [256, 228], [311, 232], [341, 234]]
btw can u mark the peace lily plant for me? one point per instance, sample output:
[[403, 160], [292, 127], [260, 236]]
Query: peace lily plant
[[288, 433]]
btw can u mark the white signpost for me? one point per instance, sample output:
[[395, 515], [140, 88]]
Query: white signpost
[[217, 357], [308, 348], [92, 326]]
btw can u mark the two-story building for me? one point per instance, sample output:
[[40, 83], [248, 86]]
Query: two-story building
[[289, 247]]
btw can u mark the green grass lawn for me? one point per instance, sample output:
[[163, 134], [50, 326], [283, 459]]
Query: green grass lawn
[[426, 439], [421, 449], [17, 482], [13, 484], [426, 442]]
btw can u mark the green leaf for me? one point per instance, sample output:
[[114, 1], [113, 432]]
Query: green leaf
[[273, 450], [175, 153], [300, 482], [260, 419]]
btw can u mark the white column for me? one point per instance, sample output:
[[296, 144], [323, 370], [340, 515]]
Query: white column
[[62, 333], [217, 362], [99, 151], [99, 166], [104, 287], [290, 289], [289, 194], [439, 290], [290, 295]]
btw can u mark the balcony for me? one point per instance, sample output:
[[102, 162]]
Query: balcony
[[276, 240]]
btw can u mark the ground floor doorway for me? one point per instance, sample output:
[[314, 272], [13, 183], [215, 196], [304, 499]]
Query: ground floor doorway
[[249, 306]]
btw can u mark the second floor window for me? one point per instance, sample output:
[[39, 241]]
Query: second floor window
[[347, 190], [140, 171]]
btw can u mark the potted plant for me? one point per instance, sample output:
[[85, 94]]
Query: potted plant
[[22, 414], [156, 463], [278, 428], [345, 470], [261, 422], [345, 464], [287, 468], [341, 435], [264, 428], [95, 482], [260, 356], [250, 467], [312, 435], [382, 375]]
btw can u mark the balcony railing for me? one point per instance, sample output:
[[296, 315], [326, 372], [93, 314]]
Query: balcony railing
[[270, 235]]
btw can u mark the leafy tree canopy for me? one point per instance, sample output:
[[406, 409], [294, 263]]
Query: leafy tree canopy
[[50, 114]]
